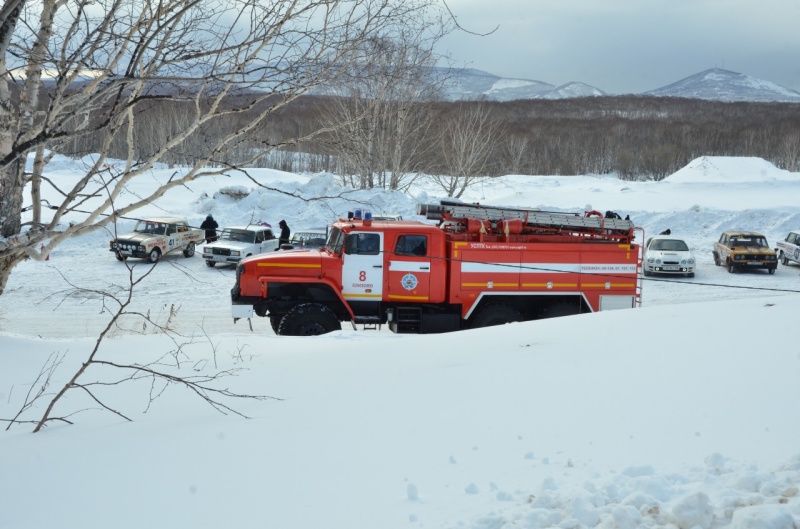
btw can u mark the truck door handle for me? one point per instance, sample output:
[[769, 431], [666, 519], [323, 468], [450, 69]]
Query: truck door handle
[[377, 266], [424, 267]]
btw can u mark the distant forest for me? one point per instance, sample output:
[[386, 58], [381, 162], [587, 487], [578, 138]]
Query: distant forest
[[637, 137]]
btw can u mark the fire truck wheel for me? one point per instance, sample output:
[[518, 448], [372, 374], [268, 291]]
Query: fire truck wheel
[[189, 251], [275, 321], [496, 314], [563, 308], [309, 319], [154, 255]]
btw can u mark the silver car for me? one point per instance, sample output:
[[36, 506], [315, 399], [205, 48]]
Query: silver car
[[664, 254]]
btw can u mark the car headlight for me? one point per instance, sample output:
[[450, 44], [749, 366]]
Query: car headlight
[[651, 260], [690, 261], [236, 253], [658, 261]]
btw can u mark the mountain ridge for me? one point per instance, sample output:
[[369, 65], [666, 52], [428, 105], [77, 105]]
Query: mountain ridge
[[714, 84]]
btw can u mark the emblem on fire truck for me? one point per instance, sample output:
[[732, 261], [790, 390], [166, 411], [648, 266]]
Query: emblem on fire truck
[[409, 281]]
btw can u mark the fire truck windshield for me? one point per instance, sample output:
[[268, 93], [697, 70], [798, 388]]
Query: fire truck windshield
[[336, 240]]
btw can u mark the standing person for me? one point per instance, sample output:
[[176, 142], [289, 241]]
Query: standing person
[[210, 225], [284, 238]]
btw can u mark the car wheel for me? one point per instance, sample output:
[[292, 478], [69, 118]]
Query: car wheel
[[784, 259], [716, 259], [309, 319], [154, 255], [647, 273], [731, 268], [495, 314], [189, 251], [690, 274], [772, 270], [119, 256], [209, 263]]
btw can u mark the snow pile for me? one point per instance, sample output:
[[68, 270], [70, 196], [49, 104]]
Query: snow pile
[[675, 415], [720, 169]]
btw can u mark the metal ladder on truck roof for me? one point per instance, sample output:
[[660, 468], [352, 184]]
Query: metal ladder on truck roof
[[450, 210]]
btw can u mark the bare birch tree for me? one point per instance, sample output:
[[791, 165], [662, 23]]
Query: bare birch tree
[[468, 139], [89, 67], [387, 111]]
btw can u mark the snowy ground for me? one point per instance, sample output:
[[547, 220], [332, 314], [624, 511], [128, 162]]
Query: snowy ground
[[679, 414]]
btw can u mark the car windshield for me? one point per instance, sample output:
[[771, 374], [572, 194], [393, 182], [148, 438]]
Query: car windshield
[[148, 226], [307, 236], [238, 236], [669, 245], [749, 241]]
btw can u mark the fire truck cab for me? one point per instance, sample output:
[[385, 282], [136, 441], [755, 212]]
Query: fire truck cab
[[479, 266]]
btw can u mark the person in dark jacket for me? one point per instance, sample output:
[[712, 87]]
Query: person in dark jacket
[[210, 225], [284, 238]]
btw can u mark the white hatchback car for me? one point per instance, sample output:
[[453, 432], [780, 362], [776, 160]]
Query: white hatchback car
[[238, 242], [664, 254]]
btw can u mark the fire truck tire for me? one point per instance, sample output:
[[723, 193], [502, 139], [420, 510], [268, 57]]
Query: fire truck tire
[[594, 213], [154, 255], [275, 321], [562, 308], [309, 319], [495, 314], [119, 256], [189, 251]]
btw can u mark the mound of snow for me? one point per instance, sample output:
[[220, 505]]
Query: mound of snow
[[729, 169]]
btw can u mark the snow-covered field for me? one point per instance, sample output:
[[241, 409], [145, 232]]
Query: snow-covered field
[[679, 414]]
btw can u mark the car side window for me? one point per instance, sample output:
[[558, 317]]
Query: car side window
[[416, 245]]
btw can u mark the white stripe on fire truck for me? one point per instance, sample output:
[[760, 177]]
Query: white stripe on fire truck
[[409, 266], [545, 268]]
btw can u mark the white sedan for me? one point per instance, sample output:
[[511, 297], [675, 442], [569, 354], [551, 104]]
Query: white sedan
[[664, 254]]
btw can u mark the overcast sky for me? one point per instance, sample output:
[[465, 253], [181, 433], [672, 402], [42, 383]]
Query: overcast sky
[[628, 46]]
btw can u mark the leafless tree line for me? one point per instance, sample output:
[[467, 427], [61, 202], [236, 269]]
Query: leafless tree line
[[638, 138]]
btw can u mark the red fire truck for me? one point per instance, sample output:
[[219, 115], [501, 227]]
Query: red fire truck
[[478, 266]]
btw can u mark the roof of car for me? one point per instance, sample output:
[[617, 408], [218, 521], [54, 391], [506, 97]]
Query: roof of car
[[670, 237], [166, 220], [738, 233], [249, 227]]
